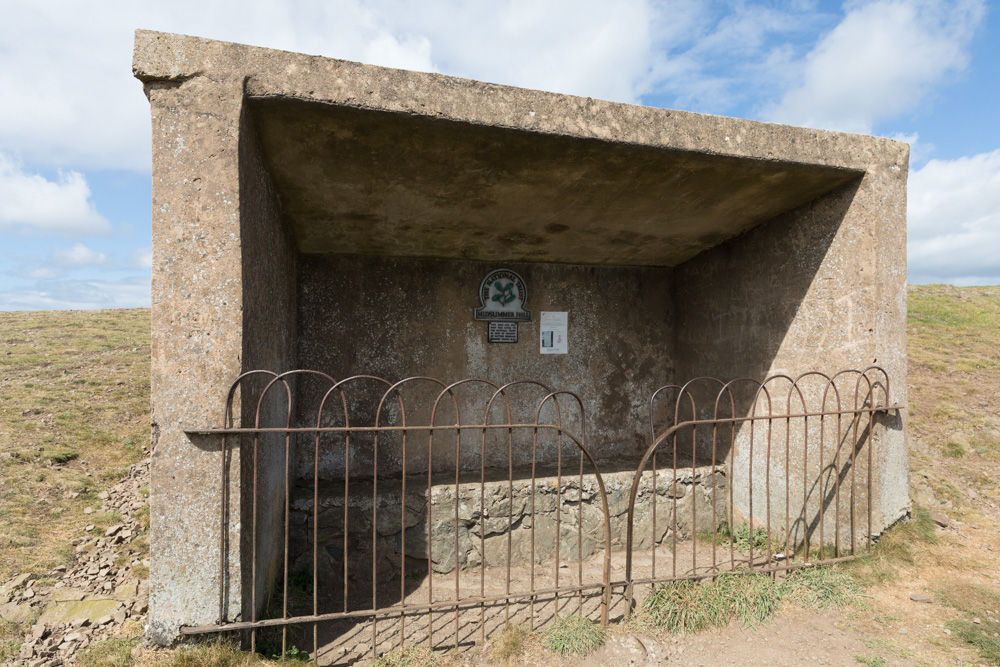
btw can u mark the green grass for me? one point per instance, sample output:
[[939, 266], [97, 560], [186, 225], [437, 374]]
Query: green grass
[[742, 537], [750, 599], [870, 660], [897, 546], [216, 652], [110, 653], [822, 587], [979, 636], [507, 645], [74, 386], [413, 656], [973, 601], [573, 635], [953, 450]]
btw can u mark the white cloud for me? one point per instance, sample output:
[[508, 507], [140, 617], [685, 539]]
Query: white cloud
[[41, 274], [78, 256], [78, 295], [70, 98], [141, 258], [61, 207], [954, 221], [879, 62]]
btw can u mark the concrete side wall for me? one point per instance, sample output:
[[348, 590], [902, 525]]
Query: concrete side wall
[[820, 288], [397, 318], [269, 342], [197, 325]]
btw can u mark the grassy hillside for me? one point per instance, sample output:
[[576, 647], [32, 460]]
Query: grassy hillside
[[74, 413]]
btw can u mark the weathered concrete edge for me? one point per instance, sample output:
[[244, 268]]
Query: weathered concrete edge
[[170, 57]]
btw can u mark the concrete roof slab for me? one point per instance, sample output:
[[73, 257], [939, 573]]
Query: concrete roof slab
[[368, 182]]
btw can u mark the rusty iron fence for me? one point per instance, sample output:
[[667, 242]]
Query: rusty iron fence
[[799, 462], [482, 506]]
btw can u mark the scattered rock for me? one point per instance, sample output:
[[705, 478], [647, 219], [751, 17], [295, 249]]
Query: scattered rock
[[941, 519], [917, 597], [92, 598]]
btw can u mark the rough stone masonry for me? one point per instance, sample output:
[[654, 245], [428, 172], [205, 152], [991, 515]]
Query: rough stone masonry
[[298, 201]]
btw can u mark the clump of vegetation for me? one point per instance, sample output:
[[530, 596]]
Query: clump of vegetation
[[574, 635], [821, 587], [10, 640], [412, 656], [690, 606], [507, 645], [751, 599], [982, 636], [112, 653], [979, 626], [870, 660], [896, 546], [742, 537], [221, 652], [953, 450]]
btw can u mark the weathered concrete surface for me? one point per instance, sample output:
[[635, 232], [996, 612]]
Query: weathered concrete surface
[[801, 234], [401, 317], [411, 185]]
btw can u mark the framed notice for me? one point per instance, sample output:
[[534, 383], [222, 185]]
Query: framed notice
[[552, 332]]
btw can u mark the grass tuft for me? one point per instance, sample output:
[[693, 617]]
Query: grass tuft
[[507, 645], [574, 635], [110, 653], [742, 537], [897, 546], [412, 656], [953, 450], [689, 606], [870, 660], [980, 636], [220, 652], [821, 587]]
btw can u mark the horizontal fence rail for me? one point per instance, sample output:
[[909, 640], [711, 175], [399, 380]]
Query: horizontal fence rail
[[377, 515]]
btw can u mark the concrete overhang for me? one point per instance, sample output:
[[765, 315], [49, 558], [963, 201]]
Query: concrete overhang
[[376, 182]]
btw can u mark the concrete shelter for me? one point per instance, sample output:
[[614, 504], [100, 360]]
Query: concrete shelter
[[317, 213]]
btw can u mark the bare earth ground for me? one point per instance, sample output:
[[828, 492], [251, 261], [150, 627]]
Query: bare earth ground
[[74, 417]]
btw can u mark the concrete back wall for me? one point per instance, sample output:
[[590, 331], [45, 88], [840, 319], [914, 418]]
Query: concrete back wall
[[397, 318]]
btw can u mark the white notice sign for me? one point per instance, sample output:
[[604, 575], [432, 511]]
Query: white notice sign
[[553, 332]]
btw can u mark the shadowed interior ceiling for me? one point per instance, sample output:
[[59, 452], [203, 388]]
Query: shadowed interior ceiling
[[355, 181]]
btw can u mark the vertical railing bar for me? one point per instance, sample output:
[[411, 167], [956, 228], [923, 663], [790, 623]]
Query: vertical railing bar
[[534, 459], [482, 533], [767, 488], [805, 484], [559, 447], [510, 516], [402, 543], [871, 441], [579, 538], [694, 496]]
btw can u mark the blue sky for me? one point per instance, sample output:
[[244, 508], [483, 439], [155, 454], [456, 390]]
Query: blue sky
[[74, 124]]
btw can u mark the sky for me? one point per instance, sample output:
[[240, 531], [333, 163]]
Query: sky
[[75, 178]]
